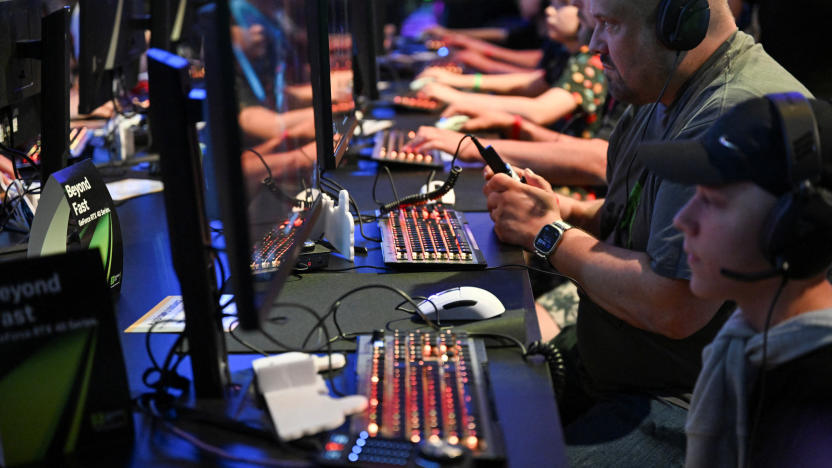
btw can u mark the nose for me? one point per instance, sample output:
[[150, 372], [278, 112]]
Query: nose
[[685, 219], [596, 44]]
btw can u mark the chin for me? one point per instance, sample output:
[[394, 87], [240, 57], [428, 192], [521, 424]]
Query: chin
[[704, 289]]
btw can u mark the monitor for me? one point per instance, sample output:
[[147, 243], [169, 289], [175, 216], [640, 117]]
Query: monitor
[[330, 43], [32, 47], [111, 43], [172, 26], [257, 188], [364, 24]]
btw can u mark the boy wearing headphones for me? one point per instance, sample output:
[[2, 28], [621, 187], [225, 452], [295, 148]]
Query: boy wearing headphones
[[634, 355], [759, 231]]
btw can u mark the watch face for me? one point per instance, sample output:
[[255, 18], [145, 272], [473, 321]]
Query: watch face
[[546, 239]]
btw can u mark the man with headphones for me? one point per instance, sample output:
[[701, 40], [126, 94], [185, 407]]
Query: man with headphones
[[633, 356], [759, 231]]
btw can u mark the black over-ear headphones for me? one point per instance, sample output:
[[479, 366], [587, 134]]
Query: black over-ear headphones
[[682, 24], [797, 236]]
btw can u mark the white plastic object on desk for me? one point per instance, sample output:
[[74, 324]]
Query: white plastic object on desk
[[334, 222], [448, 199], [297, 397]]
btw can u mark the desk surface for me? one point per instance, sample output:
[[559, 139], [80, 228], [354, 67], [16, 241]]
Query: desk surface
[[523, 396]]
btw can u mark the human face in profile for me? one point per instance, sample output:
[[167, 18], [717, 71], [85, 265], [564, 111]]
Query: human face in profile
[[722, 227], [636, 65]]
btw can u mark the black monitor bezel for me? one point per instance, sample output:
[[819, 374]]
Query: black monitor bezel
[[225, 148], [124, 50]]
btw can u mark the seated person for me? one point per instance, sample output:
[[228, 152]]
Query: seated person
[[758, 232], [634, 354], [479, 49], [581, 94], [562, 28]]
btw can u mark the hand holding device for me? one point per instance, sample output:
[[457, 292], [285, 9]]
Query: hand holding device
[[494, 161]]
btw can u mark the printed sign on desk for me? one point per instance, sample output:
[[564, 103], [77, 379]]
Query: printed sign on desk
[[76, 211], [63, 385]]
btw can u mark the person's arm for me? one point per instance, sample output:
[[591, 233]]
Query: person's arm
[[480, 62], [529, 83], [544, 109], [568, 161], [619, 280], [263, 123]]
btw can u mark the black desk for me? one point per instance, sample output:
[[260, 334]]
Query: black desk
[[524, 398]]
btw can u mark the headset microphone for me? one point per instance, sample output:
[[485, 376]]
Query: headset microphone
[[751, 277]]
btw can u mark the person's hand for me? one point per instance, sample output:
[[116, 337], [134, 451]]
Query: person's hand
[[481, 118], [6, 170], [432, 138], [439, 92], [436, 31], [441, 75], [519, 210], [562, 23]]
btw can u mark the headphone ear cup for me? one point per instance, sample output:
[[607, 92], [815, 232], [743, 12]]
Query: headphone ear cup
[[799, 233], [682, 24]]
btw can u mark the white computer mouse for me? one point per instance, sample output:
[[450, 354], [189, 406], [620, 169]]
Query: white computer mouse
[[453, 122], [462, 303]]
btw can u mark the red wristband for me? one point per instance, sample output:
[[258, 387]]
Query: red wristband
[[516, 127]]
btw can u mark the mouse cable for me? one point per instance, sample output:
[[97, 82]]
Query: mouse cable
[[269, 183], [421, 198], [514, 341], [556, 362], [327, 347], [519, 266], [333, 309]]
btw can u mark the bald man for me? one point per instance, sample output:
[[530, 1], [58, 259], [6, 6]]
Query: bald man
[[633, 357]]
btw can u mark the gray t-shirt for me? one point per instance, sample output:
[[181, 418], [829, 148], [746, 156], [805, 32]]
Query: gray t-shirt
[[615, 355]]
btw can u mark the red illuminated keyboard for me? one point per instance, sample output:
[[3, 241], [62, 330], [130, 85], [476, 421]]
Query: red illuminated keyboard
[[388, 149], [422, 386], [425, 237], [417, 101]]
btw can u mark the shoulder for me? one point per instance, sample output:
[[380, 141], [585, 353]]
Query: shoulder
[[795, 423]]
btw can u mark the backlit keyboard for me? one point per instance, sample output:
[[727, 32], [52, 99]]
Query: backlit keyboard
[[388, 149], [422, 386], [428, 237]]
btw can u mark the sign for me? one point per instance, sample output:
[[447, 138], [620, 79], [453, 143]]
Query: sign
[[75, 211], [63, 385]]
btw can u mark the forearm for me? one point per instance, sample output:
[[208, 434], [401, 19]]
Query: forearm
[[264, 123], [567, 162], [622, 282], [539, 110], [483, 34], [527, 84], [487, 65], [523, 58]]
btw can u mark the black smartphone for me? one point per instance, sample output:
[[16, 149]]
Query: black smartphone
[[494, 161]]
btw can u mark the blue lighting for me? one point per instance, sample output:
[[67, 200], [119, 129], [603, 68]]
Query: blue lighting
[[443, 52]]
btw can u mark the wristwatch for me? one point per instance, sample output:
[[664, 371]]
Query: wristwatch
[[549, 237]]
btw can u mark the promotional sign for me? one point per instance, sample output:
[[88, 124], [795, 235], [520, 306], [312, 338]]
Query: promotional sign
[[63, 385], [75, 211]]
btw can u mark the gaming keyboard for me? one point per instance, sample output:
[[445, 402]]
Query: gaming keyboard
[[417, 101], [422, 386], [270, 250], [387, 149], [428, 237]]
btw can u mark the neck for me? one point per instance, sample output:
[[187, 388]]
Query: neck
[[797, 297], [720, 28]]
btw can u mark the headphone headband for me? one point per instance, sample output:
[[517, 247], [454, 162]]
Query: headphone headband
[[800, 136]]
